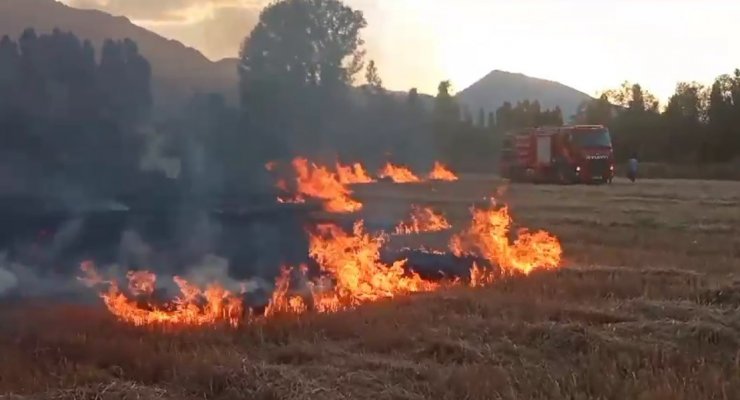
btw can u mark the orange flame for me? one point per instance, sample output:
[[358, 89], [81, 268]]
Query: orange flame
[[442, 173], [355, 274], [423, 220], [193, 307], [354, 262], [398, 174], [283, 302], [488, 236], [319, 182], [353, 174]]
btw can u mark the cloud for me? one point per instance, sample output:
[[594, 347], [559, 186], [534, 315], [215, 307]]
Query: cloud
[[216, 27], [218, 35], [163, 10]]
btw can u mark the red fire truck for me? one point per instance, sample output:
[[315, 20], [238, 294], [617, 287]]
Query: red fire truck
[[569, 154]]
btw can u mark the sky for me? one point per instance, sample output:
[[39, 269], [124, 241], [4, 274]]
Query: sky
[[590, 45]]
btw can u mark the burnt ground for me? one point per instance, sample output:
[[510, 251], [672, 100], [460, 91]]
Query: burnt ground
[[647, 307]]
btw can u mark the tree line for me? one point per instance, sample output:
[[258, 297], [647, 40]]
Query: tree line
[[698, 125], [67, 119]]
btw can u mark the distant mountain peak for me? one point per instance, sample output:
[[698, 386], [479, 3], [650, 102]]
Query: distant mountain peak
[[498, 86]]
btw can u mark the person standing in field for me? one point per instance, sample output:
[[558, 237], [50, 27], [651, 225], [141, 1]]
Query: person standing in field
[[632, 168]]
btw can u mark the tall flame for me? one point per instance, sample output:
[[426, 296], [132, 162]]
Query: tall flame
[[353, 260], [398, 174], [353, 174], [282, 301], [318, 182], [488, 236], [442, 173], [423, 219]]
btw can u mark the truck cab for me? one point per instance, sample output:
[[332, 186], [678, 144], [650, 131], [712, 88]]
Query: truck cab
[[591, 153]]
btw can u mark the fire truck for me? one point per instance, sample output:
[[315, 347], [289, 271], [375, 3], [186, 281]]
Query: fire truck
[[566, 155]]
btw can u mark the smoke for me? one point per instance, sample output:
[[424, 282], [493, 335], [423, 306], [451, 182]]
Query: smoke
[[213, 269], [19, 280], [8, 280], [155, 160]]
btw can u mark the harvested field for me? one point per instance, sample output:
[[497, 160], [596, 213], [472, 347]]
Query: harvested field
[[645, 308]]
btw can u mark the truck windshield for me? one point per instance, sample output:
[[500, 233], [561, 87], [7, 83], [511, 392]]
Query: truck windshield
[[592, 138]]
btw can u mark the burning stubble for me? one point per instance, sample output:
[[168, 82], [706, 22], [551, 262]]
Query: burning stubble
[[352, 274]]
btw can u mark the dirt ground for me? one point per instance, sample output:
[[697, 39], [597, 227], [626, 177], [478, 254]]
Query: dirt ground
[[646, 307]]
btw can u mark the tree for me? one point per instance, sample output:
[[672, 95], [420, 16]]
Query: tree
[[633, 97], [724, 119], [373, 77], [683, 123], [295, 70], [304, 42], [597, 111], [636, 125], [446, 109], [10, 72], [481, 118]]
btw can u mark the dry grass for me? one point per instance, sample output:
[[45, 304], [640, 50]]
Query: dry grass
[[646, 309]]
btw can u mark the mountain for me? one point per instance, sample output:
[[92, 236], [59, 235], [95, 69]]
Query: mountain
[[177, 71], [498, 87]]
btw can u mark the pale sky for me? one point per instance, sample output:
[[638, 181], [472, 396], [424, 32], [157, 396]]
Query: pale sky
[[590, 45]]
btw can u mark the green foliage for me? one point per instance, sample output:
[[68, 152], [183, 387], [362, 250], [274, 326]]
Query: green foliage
[[526, 114], [296, 69], [698, 124]]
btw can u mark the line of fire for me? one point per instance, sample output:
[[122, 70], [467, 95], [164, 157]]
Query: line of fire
[[299, 245]]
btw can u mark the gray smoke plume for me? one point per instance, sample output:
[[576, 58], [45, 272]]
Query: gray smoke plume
[[154, 158], [8, 280], [25, 281]]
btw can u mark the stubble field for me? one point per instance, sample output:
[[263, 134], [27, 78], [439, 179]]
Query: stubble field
[[647, 306]]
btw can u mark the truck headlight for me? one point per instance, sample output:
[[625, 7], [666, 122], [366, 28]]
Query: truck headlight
[[578, 169]]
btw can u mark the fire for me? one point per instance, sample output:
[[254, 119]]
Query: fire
[[423, 219], [318, 182], [442, 173], [398, 174], [282, 301], [353, 174], [193, 306], [141, 283], [353, 260], [353, 273], [488, 236]]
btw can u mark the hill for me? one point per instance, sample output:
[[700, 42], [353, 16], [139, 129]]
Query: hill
[[497, 87], [177, 71]]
